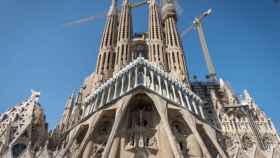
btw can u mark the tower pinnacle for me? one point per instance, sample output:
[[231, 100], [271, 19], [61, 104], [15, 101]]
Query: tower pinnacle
[[113, 8], [105, 62], [168, 9], [156, 39], [174, 50], [123, 51]]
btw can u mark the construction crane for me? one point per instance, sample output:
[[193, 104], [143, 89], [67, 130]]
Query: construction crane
[[197, 25], [139, 4], [85, 20], [101, 15], [179, 10]]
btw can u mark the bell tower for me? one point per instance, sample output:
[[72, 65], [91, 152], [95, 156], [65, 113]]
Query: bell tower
[[174, 49], [156, 39], [106, 57], [123, 49]]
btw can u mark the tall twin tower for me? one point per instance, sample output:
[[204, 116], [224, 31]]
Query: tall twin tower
[[140, 104], [161, 45]]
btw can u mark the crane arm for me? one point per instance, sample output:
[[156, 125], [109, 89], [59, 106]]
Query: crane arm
[[84, 20], [139, 4], [197, 25]]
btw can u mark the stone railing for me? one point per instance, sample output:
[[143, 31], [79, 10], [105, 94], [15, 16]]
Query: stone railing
[[141, 73]]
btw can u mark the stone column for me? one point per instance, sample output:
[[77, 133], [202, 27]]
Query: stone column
[[95, 102], [195, 106], [114, 148], [161, 107], [159, 83], [174, 93], [212, 135], [116, 89], [188, 102], [102, 98], [88, 150], [167, 89], [93, 121], [122, 84], [145, 75], [119, 116], [181, 98], [136, 76], [152, 77], [192, 125], [201, 111], [129, 80], [109, 93]]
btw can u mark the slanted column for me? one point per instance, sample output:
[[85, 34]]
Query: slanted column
[[192, 124], [136, 76], [145, 75], [152, 78], [201, 111], [129, 80], [92, 126], [159, 83], [116, 88], [122, 84], [86, 111], [161, 108], [174, 93], [141, 76], [91, 106], [88, 149], [109, 94], [96, 101], [167, 88], [102, 98], [188, 102], [195, 106], [120, 113], [181, 98]]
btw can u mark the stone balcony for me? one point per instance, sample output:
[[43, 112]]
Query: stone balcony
[[142, 74]]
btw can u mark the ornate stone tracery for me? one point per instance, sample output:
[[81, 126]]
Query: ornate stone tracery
[[247, 142]]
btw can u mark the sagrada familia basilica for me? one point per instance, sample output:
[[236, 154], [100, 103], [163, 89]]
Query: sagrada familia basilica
[[140, 103]]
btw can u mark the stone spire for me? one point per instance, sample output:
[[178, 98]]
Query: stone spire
[[123, 53], [79, 106], [105, 63], [174, 49], [168, 8], [156, 44], [35, 95], [64, 124]]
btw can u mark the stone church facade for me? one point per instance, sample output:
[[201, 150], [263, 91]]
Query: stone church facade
[[140, 103]]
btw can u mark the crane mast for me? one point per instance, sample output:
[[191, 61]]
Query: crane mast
[[198, 25]]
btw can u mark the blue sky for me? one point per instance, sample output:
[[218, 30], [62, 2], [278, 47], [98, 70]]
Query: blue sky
[[38, 52]]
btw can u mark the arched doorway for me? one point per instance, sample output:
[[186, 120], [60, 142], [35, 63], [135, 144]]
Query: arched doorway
[[141, 121]]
